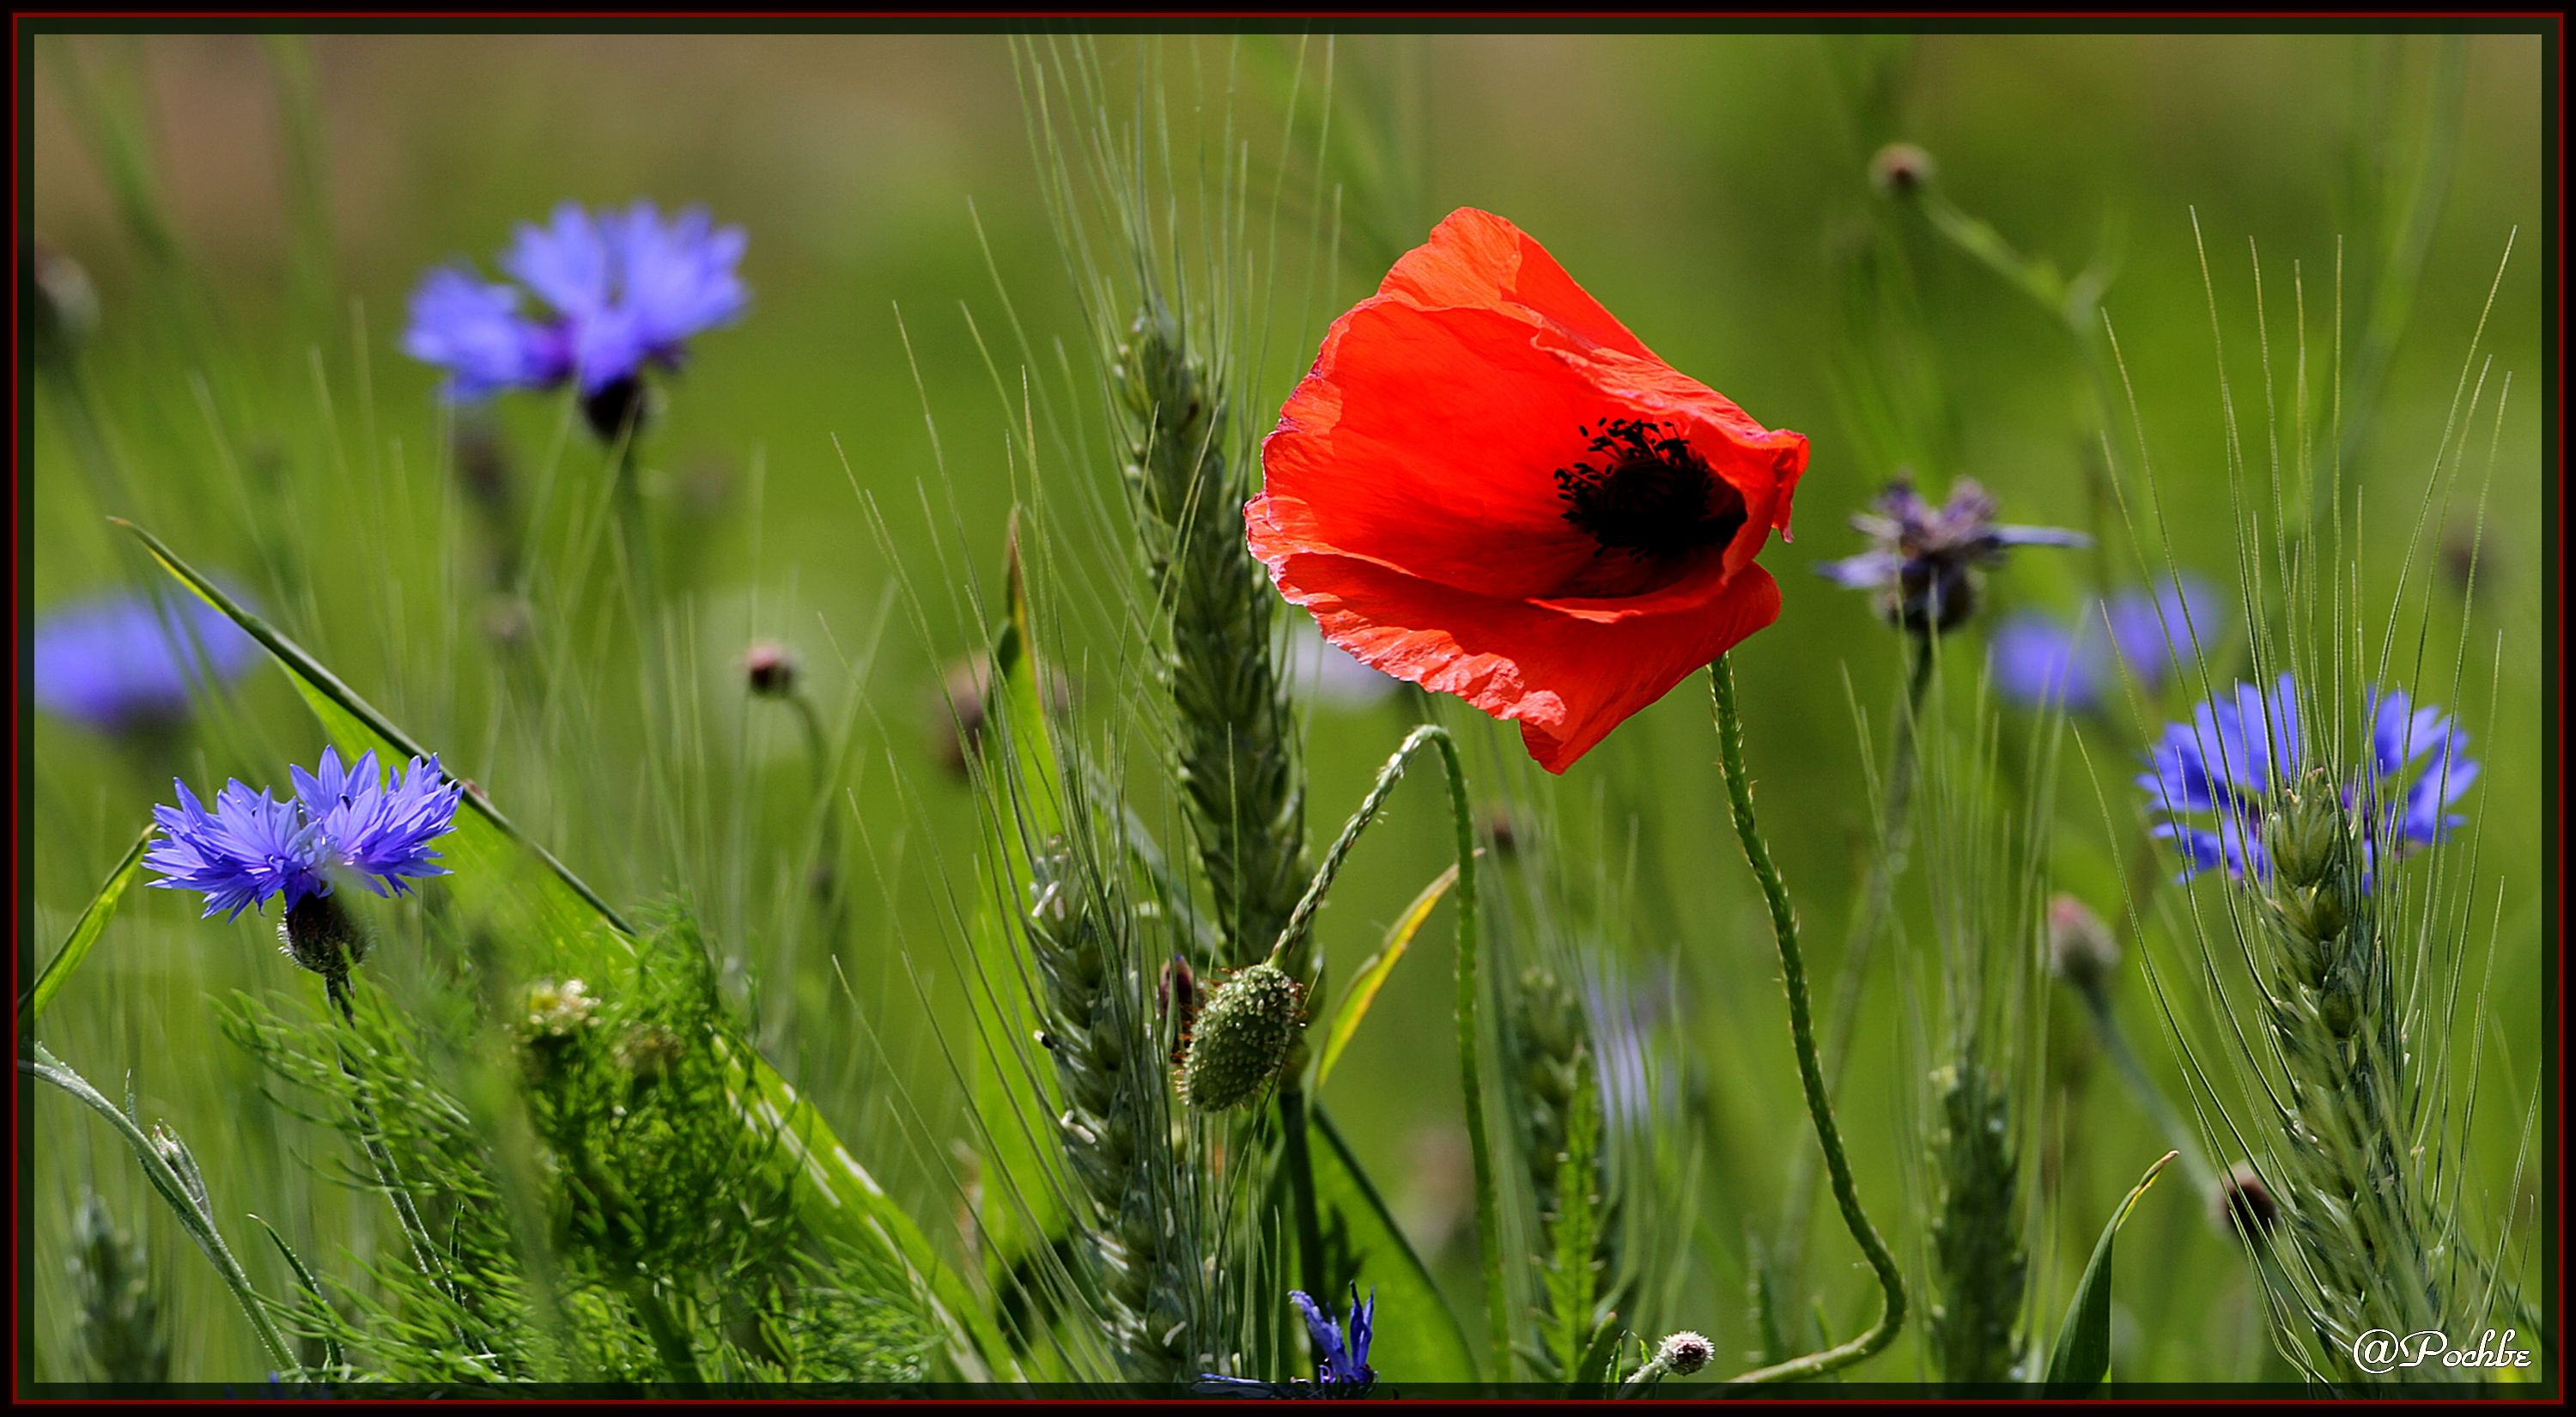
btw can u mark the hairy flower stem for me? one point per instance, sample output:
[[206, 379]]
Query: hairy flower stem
[[825, 882], [424, 1249], [635, 549], [1811, 1073], [1878, 899]]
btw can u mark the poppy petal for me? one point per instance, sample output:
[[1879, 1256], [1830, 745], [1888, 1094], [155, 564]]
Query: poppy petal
[[1567, 671]]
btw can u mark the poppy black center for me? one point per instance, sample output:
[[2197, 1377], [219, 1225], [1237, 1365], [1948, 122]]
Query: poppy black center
[[1647, 492]]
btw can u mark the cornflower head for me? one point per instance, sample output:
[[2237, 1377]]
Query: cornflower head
[[2040, 660], [616, 293], [2302, 830], [343, 823], [1341, 1355], [1927, 561], [124, 664], [2234, 795]]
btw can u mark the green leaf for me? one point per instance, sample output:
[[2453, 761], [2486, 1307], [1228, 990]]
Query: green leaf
[[332, 1358], [1023, 735], [1600, 1360], [85, 932], [1418, 1337], [841, 1201], [1021, 781], [512, 884], [2082, 1357], [1372, 975]]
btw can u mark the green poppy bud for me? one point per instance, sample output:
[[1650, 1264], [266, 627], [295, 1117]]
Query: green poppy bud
[[1242, 1038]]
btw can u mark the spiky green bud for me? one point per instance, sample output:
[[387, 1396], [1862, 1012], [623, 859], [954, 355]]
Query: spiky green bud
[[1242, 1038]]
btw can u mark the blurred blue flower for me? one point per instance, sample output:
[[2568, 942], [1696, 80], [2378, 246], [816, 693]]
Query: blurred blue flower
[[1341, 1362], [1334, 674], [125, 662], [615, 292], [1926, 559], [2217, 779], [342, 823], [2040, 660]]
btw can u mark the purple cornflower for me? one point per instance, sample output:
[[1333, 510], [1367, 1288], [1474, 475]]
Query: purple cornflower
[[1341, 1362], [341, 824], [2040, 660], [2220, 779], [1927, 560], [123, 663], [615, 292]]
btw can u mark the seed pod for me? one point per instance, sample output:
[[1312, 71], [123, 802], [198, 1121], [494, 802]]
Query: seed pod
[[1900, 170], [2081, 949], [1242, 1038], [2245, 1204]]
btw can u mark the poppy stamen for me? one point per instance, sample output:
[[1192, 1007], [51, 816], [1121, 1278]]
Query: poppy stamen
[[1651, 495]]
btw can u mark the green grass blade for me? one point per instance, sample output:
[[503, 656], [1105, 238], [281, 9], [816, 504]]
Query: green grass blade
[[1419, 1339], [1372, 975], [332, 1358], [1600, 1360], [84, 935], [841, 1201], [2082, 1357]]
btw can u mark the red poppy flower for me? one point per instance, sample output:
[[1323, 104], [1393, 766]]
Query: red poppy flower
[[1489, 487]]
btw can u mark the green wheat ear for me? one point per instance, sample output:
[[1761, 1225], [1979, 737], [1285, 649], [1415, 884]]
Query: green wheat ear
[[1976, 1230], [117, 1320], [1236, 755], [1131, 1180]]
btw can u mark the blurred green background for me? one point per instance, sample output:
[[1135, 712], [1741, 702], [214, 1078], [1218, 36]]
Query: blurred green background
[[280, 198]]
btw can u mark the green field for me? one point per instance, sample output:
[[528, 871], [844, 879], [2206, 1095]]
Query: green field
[[2321, 269]]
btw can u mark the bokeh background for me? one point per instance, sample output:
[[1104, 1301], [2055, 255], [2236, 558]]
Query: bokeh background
[[254, 211]]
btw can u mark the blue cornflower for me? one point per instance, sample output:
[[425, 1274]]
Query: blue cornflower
[[342, 823], [615, 293], [1341, 1361], [2040, 660], [2219, 779], [1926, 563], [124, 662]]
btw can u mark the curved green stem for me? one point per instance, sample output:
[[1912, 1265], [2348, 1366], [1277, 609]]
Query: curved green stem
[[1811, 1073], [1878, 899], [1462, 818], [186, 1200]]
